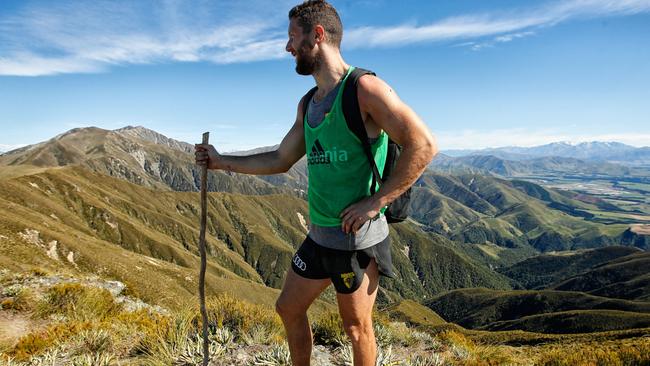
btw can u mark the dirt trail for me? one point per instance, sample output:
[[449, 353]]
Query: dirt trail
[[12, 327]]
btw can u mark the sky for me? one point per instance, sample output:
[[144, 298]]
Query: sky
[[479, 73]]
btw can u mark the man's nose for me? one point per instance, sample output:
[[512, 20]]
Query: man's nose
[[288, 48]]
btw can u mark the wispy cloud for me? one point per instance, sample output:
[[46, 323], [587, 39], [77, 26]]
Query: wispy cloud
[[477, 46], [478, 139], [9, 147], [492, 24], [92, 37], [62, 37]]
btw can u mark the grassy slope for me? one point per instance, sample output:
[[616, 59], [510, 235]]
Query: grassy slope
[[128, 232], [439, 264], [480, 209], [625, 277], [476, 308], [250, 238], [575, 321], [543, 270]]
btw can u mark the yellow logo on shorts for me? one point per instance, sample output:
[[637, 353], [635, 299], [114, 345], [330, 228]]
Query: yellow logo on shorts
[[348, 279]]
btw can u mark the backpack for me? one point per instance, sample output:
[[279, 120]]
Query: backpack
[[397, 210]]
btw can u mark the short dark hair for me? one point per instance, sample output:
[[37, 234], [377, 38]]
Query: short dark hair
[[313, 12]]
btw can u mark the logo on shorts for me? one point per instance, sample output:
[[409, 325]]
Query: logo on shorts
[[348, 279], [299, 263]]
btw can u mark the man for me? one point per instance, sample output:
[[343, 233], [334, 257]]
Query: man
[[347, 244]]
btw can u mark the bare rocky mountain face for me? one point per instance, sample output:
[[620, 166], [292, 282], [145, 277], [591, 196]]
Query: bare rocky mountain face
[[146, 134], [134, 154]]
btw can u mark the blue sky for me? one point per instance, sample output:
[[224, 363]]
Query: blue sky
[[479, 73]]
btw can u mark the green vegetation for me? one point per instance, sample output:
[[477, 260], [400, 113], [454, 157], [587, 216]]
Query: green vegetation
[[483, 308], [626, 277], [543, 270], [413, 313]]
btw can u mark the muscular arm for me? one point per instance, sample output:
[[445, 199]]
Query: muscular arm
[[291, 149], [382, 109], [382, 106]]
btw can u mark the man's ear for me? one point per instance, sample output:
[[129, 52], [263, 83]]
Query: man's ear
[[319, 33]]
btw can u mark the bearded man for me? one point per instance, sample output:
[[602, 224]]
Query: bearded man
[[347, 244]]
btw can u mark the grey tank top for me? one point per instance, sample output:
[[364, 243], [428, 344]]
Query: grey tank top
[[373, 231]]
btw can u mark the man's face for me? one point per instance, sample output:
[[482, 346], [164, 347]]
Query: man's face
[[301, 46]]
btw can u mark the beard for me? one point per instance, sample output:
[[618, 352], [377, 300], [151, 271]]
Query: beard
[[306, 64]]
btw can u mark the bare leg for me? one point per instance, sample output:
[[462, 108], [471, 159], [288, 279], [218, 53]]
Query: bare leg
[[297, 295], [356, 312]]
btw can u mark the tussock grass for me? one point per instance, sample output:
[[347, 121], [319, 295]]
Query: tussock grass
[[328, 330], [610, 354], [230, 321], [36, 343], [18, 299], [78, 302]]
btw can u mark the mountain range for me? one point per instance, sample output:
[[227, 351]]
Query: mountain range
[[498, 165], [122, 204], [615, 152]]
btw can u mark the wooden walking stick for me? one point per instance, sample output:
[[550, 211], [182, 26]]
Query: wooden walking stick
[[204, 213]]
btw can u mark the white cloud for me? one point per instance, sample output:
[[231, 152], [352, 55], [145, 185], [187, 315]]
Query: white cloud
[[60, 37], [9, 147], [500, 39], [92, 37], [492, 24], [479, 139], [512, 36]]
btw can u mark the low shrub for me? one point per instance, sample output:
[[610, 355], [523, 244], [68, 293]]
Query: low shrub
[[78, 302], [226, 311], [23, 299], [610, 354], [328, 330], [36, 342]]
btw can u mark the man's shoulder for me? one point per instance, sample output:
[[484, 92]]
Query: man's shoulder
[[370, 86]]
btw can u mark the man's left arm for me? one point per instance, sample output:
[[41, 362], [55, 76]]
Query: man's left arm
[[380, 105]]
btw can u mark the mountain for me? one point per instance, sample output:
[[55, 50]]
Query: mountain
[[625, 278], [134, 154], [295, 178], [515, 215], [152, 136], [110, 226], [543, 270], [552, 311], [552, 165], [596, 151], [470, 208], [67, 206]]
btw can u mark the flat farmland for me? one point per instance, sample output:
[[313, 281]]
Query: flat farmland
[[632, 198]]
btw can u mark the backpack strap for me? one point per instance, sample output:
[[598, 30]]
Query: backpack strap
[[353, 118], [305, 101]]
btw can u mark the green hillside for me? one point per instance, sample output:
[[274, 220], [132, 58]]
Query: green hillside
[[83, 221], [626, 277], [485, 210], [437, 263], [251, 239], [540, 271], [482, 308], [576, 321]]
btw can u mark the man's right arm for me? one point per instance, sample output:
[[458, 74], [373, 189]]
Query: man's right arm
[[291, 149]]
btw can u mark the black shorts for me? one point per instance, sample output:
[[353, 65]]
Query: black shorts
[[344, 268]]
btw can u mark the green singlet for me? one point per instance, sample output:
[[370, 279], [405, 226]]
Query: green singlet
[[339, 173]]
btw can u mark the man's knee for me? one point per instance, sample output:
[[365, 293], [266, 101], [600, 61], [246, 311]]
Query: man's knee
[[359, 330], [287, 309]]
